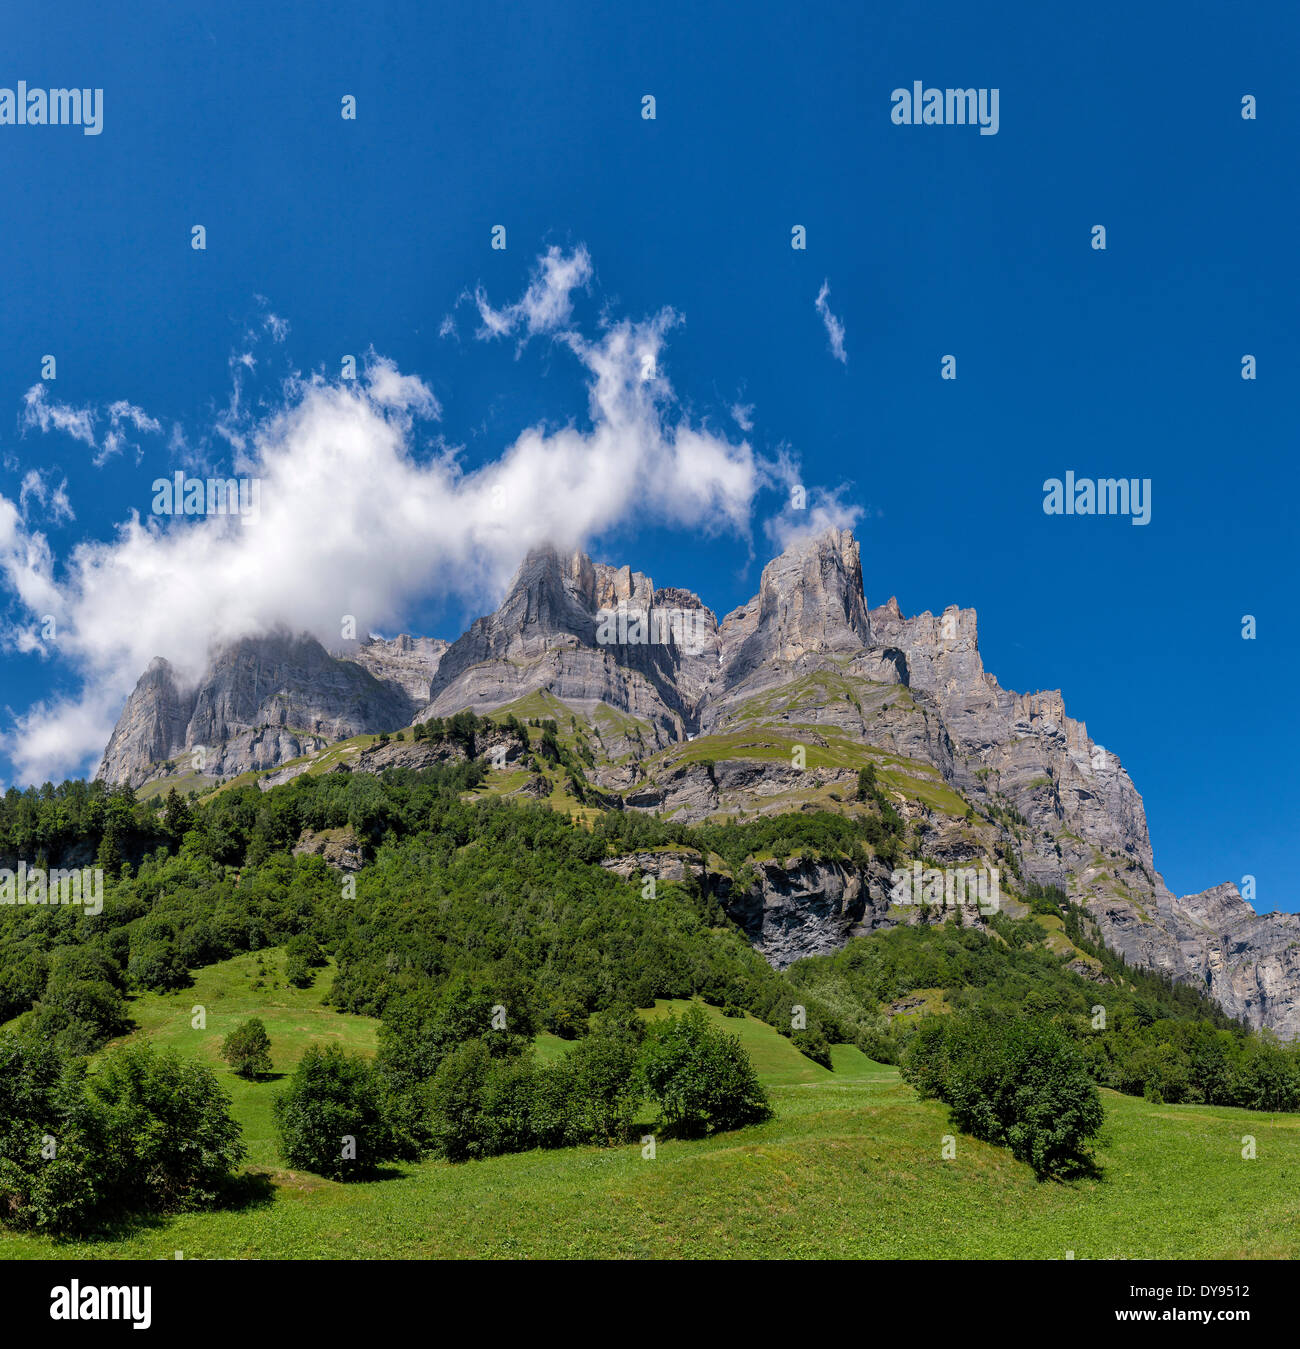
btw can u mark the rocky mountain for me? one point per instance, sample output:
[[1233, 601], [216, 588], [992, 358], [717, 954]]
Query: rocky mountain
[[773, 709], [261, 701], [568, 625], [404, 663]]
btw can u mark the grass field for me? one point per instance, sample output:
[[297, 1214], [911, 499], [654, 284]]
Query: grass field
[[850, 1166]]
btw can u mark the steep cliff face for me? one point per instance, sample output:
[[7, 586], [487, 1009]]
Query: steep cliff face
[[810, 604], [407, 664], [588, 634], [151, 727], [773, 709], [1250, 962], [261, 701]]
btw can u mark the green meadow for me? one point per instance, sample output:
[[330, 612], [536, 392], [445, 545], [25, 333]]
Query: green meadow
[[850, 1166]]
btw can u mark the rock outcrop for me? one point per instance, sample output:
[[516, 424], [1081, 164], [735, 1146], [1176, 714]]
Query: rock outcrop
[[404, 663], [262, 701], [340, 848], [805, 664]]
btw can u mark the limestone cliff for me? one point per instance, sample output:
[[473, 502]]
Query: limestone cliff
[[772, 709]]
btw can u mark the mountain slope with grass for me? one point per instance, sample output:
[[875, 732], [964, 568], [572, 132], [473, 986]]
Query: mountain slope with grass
[[1173, 1182], [661, 708], [464, 912]]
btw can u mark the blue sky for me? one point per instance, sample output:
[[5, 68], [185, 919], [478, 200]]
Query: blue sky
[[328, 236]]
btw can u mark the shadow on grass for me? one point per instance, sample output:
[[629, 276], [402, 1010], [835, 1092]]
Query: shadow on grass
[[248, 1190], [383, 1173], [1077, 1168]]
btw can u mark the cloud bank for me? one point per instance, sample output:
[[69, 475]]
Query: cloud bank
[[356, 518]]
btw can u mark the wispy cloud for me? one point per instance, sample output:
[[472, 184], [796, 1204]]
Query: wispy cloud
[[546, 306], [807, 511], [123, 417], [42, 414], [834, 328], [53, 501]]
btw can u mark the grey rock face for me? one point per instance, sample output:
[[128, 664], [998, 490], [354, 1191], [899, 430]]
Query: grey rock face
[[806, 652], [553, 631], [340, 848], [405, 663], [795, 907], [807, 908], [151, 727], [810, 603], [262, 701], [1250, 962], [693, 791]]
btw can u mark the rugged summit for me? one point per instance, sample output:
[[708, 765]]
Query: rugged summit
[[568, 625], [261, 701], [810, 602], [773, 709]]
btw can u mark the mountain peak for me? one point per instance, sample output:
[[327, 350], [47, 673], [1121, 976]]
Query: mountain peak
[[811, 596]]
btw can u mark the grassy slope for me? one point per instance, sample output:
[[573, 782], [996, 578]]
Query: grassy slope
[[849, 1167]]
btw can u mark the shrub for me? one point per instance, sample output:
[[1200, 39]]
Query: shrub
[[298, 972], [814, 1044], [303, 946], [481, 1106], [52, 1160], [482, 1103], [303, 955], [417, 1034], [456, 1097], [1019, 1082], [248, 1049], [700, 1076], [79, 1015], [330, 1119], [169, 1137], [600, 1075]]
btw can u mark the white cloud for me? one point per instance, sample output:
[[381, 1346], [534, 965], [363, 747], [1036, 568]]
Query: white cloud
[[39, 412], [743, 415], [79, 423], [391, 389], [355, 519], [823, 508], [53, 501], [547, 305], [121, 416], [834, 328]]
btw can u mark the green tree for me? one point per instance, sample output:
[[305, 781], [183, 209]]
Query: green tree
[[170, 1140], [701, 1077], [330, 1119], [53, 1165], [247, 1049], [481, 1105], [1019, 1082]]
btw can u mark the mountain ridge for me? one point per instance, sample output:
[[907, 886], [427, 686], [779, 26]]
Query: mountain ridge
[[774, 707]]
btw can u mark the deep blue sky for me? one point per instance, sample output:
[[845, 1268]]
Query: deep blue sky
[[934, 240]]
